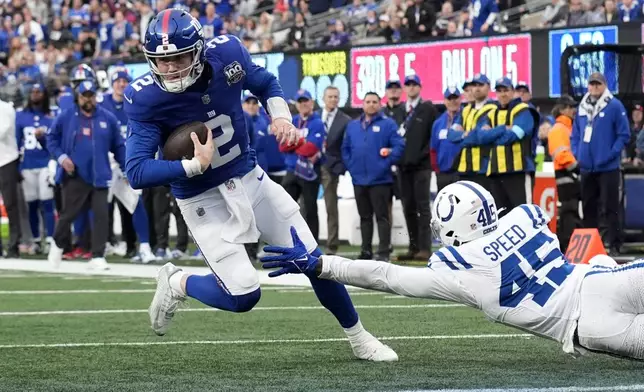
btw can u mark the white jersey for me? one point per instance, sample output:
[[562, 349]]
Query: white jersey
[[516, 275]]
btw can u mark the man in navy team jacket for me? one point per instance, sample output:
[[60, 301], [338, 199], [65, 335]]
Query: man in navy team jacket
[[599, 134], [80, 139], [371, 146]]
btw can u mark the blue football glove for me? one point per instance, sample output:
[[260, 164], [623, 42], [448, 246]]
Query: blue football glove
[[295, 260]]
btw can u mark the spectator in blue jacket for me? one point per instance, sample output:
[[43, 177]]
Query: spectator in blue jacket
[[269, 157], [599, 134], [304, 159], [80, 140], [629, 10], [370, 148], [442, 150]]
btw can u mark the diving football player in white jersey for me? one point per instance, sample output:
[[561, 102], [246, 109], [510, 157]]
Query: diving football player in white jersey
[[512, 269]]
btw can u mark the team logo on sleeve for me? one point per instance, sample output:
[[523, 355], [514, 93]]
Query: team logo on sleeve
[[234, 73]]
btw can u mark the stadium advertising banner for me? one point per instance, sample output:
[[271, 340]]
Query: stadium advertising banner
[[313, 71], [440, 64], [584, 65]]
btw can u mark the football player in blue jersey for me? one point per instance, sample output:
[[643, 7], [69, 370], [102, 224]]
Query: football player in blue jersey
[[113, 103], [225, 198], [32, 124], [510, 268]]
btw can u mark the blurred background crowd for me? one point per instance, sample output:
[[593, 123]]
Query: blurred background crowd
[[37, 37]]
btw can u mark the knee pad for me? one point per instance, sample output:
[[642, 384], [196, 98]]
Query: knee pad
[[244, 303]]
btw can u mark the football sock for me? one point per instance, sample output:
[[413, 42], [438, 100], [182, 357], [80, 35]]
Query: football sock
[[334, 296], [208, 290], [175, 281], [354, 331], [48, 216], [34, 222], [140, 222]]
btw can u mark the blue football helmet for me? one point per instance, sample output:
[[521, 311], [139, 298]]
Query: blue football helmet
[[80, 73], [172, 35]]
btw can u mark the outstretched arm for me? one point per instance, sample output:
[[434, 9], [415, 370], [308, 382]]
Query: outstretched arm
[[414, 282], [368, 274]]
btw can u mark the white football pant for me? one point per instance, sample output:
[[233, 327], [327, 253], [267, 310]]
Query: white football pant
[[612, 310], [35, 184], [275, 212]]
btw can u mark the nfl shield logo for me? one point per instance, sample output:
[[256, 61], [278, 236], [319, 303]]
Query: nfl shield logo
[[205, 99], [230, 185], [87, 131]]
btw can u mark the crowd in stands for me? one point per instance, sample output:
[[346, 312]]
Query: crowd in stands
[[38, 36]]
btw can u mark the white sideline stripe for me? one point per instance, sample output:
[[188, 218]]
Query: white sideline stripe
[[258, 308], [38, 292], [260, 341], [353, 293], [637, 387]]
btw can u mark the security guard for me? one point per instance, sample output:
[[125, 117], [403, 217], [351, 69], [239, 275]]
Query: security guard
[[512, 161], [471, 163]]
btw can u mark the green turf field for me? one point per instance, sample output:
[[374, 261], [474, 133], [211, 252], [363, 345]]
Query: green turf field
[[57, 338]]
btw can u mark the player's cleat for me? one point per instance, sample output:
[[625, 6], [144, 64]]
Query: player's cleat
[[98, 264], [55, 255], [166, 301], [366, 346]]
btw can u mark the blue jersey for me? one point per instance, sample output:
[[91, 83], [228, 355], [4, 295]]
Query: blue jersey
[[211, 28], [480, 11], [117, 109], [105, 35], [34, 153], [76, 18], [214, 100]]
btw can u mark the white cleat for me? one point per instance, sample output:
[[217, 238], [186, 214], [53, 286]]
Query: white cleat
[[367, 347], [55, 255], [166, 301], [98, 264]]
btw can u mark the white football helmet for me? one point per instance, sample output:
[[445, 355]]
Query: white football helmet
[[462, 212]]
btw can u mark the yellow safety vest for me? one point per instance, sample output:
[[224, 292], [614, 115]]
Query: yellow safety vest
[[510, 158], [473, 160]]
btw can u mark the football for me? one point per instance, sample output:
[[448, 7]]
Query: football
[[179, 145]]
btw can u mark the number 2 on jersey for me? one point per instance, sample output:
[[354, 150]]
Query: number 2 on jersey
[[227, 132], [512, 273]]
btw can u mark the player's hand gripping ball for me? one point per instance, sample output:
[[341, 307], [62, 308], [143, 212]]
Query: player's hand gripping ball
[[179, 144]]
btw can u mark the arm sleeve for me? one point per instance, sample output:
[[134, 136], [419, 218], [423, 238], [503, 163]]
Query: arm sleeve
[[574, 136], [396, 143], [346, 148], [390, 278], [19, 133], [143, 171], [623, 131], [54, 137], [559, 149], [118, 145], [522, 128], [258, 80]]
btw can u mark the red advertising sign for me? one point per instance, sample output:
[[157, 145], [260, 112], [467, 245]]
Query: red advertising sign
[[440, 64]]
